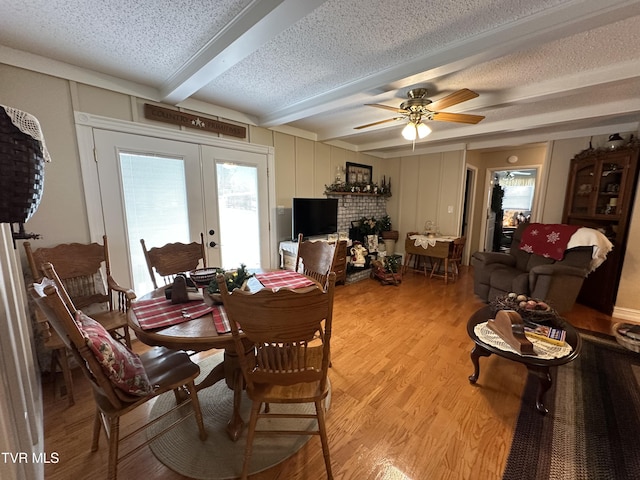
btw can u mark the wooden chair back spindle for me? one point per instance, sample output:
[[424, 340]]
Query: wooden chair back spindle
[[173, 258], [315, 259]]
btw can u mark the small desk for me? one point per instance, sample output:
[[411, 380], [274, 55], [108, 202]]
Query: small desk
[[425, 246], [200, 335], [537, 366]]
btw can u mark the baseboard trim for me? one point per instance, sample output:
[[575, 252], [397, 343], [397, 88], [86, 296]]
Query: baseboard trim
[[626, 314]]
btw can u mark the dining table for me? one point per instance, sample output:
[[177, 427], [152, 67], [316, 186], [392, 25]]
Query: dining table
[[196, 326]]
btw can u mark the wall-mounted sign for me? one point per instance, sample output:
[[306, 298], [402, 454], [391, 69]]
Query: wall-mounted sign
[[166, 115]]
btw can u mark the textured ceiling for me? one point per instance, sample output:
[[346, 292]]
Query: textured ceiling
[[541, 67]]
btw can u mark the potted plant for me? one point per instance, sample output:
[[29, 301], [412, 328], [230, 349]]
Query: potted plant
[[389, 235]]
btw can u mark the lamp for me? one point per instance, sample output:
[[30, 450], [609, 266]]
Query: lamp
[[415, 128]]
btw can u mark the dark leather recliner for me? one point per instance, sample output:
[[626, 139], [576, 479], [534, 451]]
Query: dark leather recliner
[[556, 282]]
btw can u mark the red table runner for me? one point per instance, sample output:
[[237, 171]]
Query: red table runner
[[546, 239], [284, 279], [160, 312]]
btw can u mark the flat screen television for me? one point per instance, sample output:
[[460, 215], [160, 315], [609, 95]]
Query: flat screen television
[[314, 216]]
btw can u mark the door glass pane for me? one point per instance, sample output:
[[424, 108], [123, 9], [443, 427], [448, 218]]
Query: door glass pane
[[155, 199], [238, 214]]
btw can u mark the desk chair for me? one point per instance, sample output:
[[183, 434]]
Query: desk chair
[[80, 267], [145, 377], [315, 259], [452, 261], [173, 258], [291, 356]]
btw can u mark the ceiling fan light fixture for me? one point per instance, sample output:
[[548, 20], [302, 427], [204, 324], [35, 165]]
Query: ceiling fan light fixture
[[413, 130], [423, 130], [410, 131]]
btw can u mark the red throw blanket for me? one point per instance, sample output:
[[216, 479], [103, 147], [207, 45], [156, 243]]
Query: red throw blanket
[[547, 239]]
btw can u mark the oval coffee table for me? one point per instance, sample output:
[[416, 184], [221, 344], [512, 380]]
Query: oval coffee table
[[537, 366]]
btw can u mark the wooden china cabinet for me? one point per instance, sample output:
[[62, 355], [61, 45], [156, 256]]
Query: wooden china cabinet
[[600, 195]]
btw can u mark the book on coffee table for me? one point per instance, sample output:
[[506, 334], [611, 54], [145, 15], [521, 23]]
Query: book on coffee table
[[549, 334]]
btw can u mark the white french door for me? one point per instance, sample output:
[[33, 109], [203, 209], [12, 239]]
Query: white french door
[[170, 191], [237, 205]]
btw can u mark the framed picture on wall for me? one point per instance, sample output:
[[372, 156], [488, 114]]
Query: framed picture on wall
[[357, 173]]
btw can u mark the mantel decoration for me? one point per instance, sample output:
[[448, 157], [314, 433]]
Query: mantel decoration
[[22, 156], [358, 179]]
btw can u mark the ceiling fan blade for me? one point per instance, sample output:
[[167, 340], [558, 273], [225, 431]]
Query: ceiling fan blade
[[376, 123], [457, 117], [386, 107], [453, 99]]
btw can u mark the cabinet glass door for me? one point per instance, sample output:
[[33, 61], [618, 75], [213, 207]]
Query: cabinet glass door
[[612, 180], [584, 189]]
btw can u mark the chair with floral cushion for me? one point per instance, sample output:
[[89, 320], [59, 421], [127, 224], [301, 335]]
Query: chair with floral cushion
[[120, 379]]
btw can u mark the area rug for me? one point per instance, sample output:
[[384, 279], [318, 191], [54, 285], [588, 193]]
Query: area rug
[[218, 457], [592, 430]]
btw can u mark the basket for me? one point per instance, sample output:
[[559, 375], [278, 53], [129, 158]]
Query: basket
[[21, 173], [203, 276], [535, 316], [627, 342]]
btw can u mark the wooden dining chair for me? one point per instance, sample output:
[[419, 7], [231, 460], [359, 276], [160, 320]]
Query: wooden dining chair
[[59, 358], [173, 258], [315, 259], [83, 269], [452, 262], [121, 380], [291, 357]]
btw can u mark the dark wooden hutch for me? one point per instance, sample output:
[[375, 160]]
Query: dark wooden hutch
[[600, 195]]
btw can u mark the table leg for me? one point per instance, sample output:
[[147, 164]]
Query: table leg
[[544, 376], [476, 353], [215, 375], [228, 370]]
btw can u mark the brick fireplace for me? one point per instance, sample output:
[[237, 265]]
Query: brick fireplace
[[352, 207]]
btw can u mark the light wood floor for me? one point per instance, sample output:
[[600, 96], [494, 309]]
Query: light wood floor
[[402, 405]]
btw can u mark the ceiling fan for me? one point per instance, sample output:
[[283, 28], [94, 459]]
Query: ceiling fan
[[417, 108]]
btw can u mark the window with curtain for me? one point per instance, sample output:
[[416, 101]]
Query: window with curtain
[[518, 193]]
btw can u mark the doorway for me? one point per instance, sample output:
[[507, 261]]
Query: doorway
[[468, 210], [512, 196]]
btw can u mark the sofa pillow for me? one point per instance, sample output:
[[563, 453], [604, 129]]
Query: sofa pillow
[[123, 367]]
